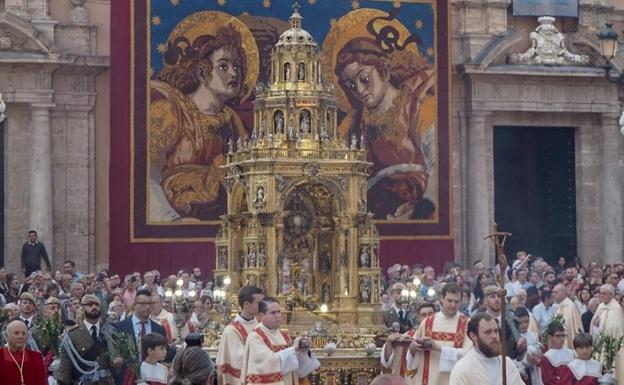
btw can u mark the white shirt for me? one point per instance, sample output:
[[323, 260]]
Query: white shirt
[[88, 325], [136, 324]]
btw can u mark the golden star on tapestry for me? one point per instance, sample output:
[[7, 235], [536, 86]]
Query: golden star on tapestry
[[266, 3], [430, 51], [161, 48], [221, 3], [174, 2], [355, 4], [396, 3], [156, 20], [420, 24], [312, 2]]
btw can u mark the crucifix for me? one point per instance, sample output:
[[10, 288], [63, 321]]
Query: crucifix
[[499, 238]]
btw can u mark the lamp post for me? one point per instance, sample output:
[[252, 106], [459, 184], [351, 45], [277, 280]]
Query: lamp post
[[608, 49]]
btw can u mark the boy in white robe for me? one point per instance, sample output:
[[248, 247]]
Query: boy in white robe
[[270, 357], [154, 349], [482, 365], [232, 345]]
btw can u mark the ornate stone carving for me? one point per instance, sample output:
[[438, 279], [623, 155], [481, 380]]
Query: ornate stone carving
[[311, 169], [548, 47], [78, 14], [6, 42]]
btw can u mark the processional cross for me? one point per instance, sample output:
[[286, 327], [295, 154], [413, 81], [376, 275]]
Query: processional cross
[[499, 238]]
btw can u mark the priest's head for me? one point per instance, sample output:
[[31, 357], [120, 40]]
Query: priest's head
[[483, 331], [17, 335], [248, 299], [270, 313], [450, 297], [606, 293], [560, 293]]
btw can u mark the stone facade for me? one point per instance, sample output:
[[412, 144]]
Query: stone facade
[[489, 92], [47, 77]]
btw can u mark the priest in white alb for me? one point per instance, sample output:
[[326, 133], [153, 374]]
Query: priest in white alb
[[482, 365], [571, 315], [440, 341], [609, 320], [270, 357], [232, 345]]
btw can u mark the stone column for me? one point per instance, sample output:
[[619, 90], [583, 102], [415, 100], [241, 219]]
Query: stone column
[[477, 204], [41, 176], [611, 190]]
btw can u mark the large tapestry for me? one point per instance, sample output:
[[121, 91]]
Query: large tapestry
[[196, 64]]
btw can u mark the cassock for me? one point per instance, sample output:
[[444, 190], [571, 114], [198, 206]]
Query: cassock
[[270, 358], [476, 369], [572, 318], [612, 324], [231, 349], [553, 361], [581, 372], [154, 374], [33, 371], [397, 362], [434, 367], [165, 319]]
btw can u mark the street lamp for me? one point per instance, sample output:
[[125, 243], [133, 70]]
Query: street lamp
[[608, 49]]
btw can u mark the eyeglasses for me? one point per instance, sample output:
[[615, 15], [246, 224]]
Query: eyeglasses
[[143, 303]]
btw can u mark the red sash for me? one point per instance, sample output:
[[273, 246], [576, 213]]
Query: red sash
[[457, 338], [242, 332]]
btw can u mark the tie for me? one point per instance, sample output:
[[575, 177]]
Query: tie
[[94, 333], [27, 323], [401, 314], [142, 332]]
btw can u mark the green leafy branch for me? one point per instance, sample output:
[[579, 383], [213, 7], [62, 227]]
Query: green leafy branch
[[52, 330], [609, 346], [127, 349]]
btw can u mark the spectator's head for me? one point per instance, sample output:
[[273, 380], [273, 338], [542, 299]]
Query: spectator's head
[[478, 268], [157, 304], [556, 335], [583, 346], [522, 296], [148, 278], [492, 299], [547, 296], [388, 379], [570, 273], [521, 274], [450, 298], [607, 292], [522, 319], [69, 267], [32, 236], [560, 293], [17, 335], [66, 281], [52, 308], [91, 307], [483, 331], [561, 262], [396, 290], [613, 279], [142, 304], [13, 281], [248, 299], [514, 302], [197, 274], [154, 346], [583, 294], [534, 278], [27, 305], [549, 278], [424, 310], [270, 313], [116, 307], [593, 304], [77, 289], [191, 366]]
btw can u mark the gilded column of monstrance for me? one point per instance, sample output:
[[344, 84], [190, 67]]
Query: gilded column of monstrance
[[297, 222]]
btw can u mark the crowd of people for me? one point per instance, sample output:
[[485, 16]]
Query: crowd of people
[[68, 327]]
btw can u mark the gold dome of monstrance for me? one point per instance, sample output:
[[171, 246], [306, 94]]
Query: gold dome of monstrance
[[296, 222]]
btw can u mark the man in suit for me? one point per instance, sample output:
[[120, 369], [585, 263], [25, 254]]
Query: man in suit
[[140, 324], [88, 350], [589, 314], [398, 312]]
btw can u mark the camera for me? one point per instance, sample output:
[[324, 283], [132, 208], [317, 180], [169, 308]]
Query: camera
[[194, 339]]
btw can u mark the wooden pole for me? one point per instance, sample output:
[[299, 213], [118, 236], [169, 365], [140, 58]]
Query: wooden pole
[[502, 293]]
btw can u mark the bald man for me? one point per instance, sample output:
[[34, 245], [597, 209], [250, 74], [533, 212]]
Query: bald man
[[19, 365], [570, 313]]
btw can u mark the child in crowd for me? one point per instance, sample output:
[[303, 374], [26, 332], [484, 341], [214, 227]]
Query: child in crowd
[[557, 357], [583, 370], [154, 349], [528, 338]]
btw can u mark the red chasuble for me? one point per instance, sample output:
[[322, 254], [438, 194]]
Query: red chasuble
[[34, 371]]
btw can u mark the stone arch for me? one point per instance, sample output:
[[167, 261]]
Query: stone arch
[[238, 199], [331, 184], [23, 36]]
